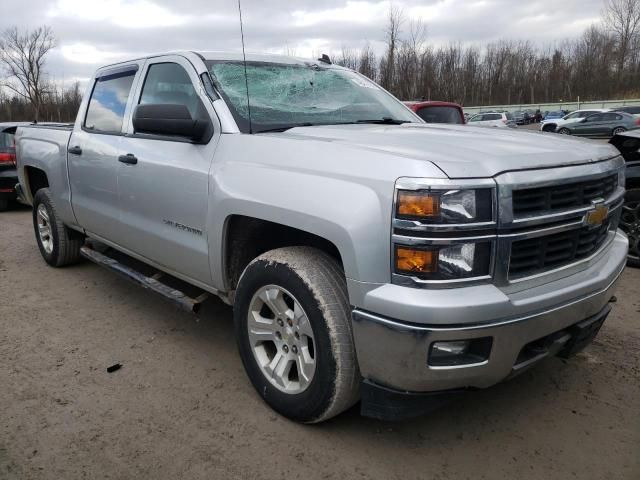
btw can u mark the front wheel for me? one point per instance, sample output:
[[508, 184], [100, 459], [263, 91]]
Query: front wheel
[[630, 224], [618, 130], [58, 244], [564, 131], [293, 327]]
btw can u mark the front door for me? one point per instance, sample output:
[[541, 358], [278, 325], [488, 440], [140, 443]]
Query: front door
[[164, 192], [589, 126], [93, 152]]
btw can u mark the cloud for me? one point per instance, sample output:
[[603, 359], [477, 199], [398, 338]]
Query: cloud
[[95, 32]]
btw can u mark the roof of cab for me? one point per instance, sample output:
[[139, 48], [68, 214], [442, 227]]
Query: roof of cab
[[231, 56]]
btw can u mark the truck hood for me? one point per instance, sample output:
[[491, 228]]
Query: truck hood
[[463, 151]]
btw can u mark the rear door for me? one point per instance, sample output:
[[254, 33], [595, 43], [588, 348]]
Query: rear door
[[93, 150], [164, 195], [610, 121]]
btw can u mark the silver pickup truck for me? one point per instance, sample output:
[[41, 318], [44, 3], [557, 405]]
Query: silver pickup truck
[[367, 255]]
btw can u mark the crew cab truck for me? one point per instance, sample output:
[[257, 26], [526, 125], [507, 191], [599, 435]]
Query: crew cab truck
[[367, 255]]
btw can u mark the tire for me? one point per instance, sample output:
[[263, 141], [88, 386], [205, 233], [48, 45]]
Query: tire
[[630, 224], [618, 130], [312, 284], [564, 131], [59, 245], [4, 204]]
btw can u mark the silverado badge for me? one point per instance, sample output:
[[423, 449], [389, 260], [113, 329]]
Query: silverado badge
[[596, 216]]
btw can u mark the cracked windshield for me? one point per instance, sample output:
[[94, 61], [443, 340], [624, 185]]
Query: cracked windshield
[[289, 95]]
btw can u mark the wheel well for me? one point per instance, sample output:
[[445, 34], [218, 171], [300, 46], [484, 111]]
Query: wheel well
[[247, 237], [36, 179], [549, 127]]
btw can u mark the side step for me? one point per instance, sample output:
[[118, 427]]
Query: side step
[[176, 296]]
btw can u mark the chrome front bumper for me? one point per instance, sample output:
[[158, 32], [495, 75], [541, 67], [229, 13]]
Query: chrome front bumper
[[393, 351]]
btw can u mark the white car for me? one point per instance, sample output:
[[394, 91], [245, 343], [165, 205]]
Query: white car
[[493, 119], [554, 125]]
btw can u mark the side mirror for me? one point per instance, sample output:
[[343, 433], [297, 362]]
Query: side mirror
[[169, 119]]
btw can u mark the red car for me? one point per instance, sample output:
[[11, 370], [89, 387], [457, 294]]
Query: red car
[[438, 112], [8, 173]]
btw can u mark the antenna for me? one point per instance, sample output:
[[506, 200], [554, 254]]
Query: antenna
[[244, 61]]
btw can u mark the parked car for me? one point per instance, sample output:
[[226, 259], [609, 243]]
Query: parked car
[[554, 114], [521, 117], [604, 124], [367, 255], [552, 125], [537, 116], [628, 143], [8, 173], [438, 112], [632, 109], [493, 119]]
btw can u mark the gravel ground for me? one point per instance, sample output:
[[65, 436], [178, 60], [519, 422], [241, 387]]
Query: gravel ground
[[182, 407]]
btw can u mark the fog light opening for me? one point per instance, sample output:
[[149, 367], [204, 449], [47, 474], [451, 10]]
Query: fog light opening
[[456, 353]]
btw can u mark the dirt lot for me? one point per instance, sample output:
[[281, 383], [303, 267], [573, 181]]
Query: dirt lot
[[181, 406]]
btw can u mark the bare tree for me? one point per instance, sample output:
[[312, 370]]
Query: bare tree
[[387, 65], [22, 56], [622, 19]]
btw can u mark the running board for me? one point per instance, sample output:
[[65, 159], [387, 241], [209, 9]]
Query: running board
[[151, 283]]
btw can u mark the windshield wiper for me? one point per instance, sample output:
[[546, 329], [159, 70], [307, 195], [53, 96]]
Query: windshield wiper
[[284, 128], [384, 121]]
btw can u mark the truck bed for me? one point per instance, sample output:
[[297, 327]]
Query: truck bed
[[44, 147]]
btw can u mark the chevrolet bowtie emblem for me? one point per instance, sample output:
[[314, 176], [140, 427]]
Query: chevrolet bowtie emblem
[[597, 216]]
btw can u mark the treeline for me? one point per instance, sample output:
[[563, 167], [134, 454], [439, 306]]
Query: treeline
[[58, 105], [604, 63]]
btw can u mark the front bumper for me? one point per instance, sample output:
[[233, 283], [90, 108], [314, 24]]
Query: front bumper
[[393, 352]]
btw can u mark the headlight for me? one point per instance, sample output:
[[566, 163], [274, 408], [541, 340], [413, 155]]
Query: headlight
[[447, 262], [445, 206]]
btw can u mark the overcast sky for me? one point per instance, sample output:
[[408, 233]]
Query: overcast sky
[[94, 32]]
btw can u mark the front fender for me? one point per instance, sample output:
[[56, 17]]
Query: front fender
[[340, 194]]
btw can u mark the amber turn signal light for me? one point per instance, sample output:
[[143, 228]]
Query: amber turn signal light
[[416, 204], [416, 261]]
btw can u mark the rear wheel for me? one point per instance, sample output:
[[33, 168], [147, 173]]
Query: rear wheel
[[58, 244], [293, 327], [618, 130], [630, 224], [564, 131]]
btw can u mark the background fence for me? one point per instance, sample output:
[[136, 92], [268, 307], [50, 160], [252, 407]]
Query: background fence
[[549, 107]]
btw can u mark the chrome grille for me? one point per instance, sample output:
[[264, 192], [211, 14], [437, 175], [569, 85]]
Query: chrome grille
[[539, 254], [531, 202]]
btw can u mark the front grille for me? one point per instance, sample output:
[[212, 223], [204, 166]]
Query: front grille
[[536, 255], [531, 202]]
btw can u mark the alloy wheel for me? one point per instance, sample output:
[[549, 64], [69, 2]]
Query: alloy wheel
[[44, 229], [281, 339]]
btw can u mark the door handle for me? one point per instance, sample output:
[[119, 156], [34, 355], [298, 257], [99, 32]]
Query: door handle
[[129, 159], [75, 150]]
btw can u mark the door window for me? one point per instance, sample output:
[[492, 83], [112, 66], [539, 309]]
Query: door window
[[607, 117], [594, 118], [169, 83], [108, 102]]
